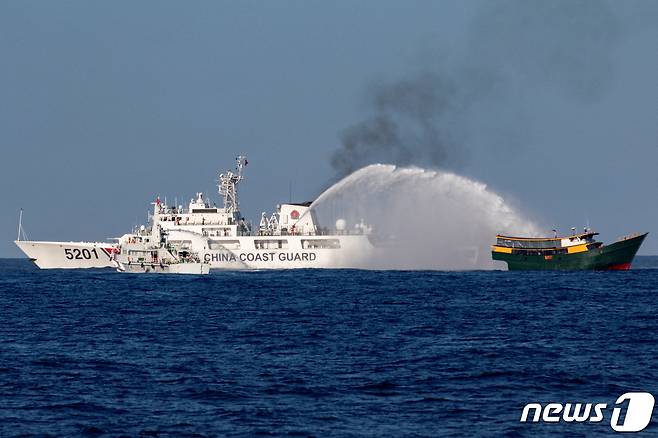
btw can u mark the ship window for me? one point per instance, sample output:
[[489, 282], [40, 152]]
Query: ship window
[[224, 244], [528, 244], [219, 232], [181, 244], [320, 243], [271, 244]]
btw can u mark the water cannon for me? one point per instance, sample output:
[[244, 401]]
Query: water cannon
[[362, 228]]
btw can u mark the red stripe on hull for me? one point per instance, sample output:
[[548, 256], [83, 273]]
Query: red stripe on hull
[[620, 267]]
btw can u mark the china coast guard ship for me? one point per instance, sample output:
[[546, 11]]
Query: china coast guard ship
[[220, 237]]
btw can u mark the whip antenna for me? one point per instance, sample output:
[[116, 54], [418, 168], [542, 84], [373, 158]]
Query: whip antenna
[[20, 225]]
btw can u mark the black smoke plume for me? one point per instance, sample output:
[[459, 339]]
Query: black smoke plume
[[512, 49]]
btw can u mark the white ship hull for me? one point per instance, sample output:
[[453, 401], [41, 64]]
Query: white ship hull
[[244, 252], [68, 255]]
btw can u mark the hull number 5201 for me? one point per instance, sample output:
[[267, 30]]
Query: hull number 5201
[[80, 254]]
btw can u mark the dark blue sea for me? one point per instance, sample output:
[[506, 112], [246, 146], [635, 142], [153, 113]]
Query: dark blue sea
[[320, 353]]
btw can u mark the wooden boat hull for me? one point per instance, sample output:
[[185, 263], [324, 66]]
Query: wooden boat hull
[[617, 256]]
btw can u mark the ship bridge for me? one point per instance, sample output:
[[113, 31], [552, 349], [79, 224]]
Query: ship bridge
[[545, 242], [211, 221]]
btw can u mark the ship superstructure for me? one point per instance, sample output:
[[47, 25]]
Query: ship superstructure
[[288, 238]]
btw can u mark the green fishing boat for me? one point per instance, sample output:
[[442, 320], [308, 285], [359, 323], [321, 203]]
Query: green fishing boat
[[575, 252]]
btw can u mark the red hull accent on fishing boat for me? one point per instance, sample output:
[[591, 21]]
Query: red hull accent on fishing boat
[[620, 267]]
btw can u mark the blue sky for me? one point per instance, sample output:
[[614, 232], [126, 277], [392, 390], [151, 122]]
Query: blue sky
[[104, 105]]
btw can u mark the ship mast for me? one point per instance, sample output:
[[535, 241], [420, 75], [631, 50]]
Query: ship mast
[[228, 185], [20, 225]]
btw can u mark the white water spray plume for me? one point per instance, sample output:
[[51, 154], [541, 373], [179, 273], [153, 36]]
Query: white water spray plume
[[421, 219]]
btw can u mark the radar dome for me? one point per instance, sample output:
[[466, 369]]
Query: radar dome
[[341, 225]]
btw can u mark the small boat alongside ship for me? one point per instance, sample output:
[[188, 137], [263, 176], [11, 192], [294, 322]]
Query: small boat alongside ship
[[569, 253], [150, 252]]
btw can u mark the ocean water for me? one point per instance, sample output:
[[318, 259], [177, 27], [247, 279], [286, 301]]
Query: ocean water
[[320, 353]]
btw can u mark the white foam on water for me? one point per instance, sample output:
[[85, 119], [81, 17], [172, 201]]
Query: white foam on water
[[422, 219]]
